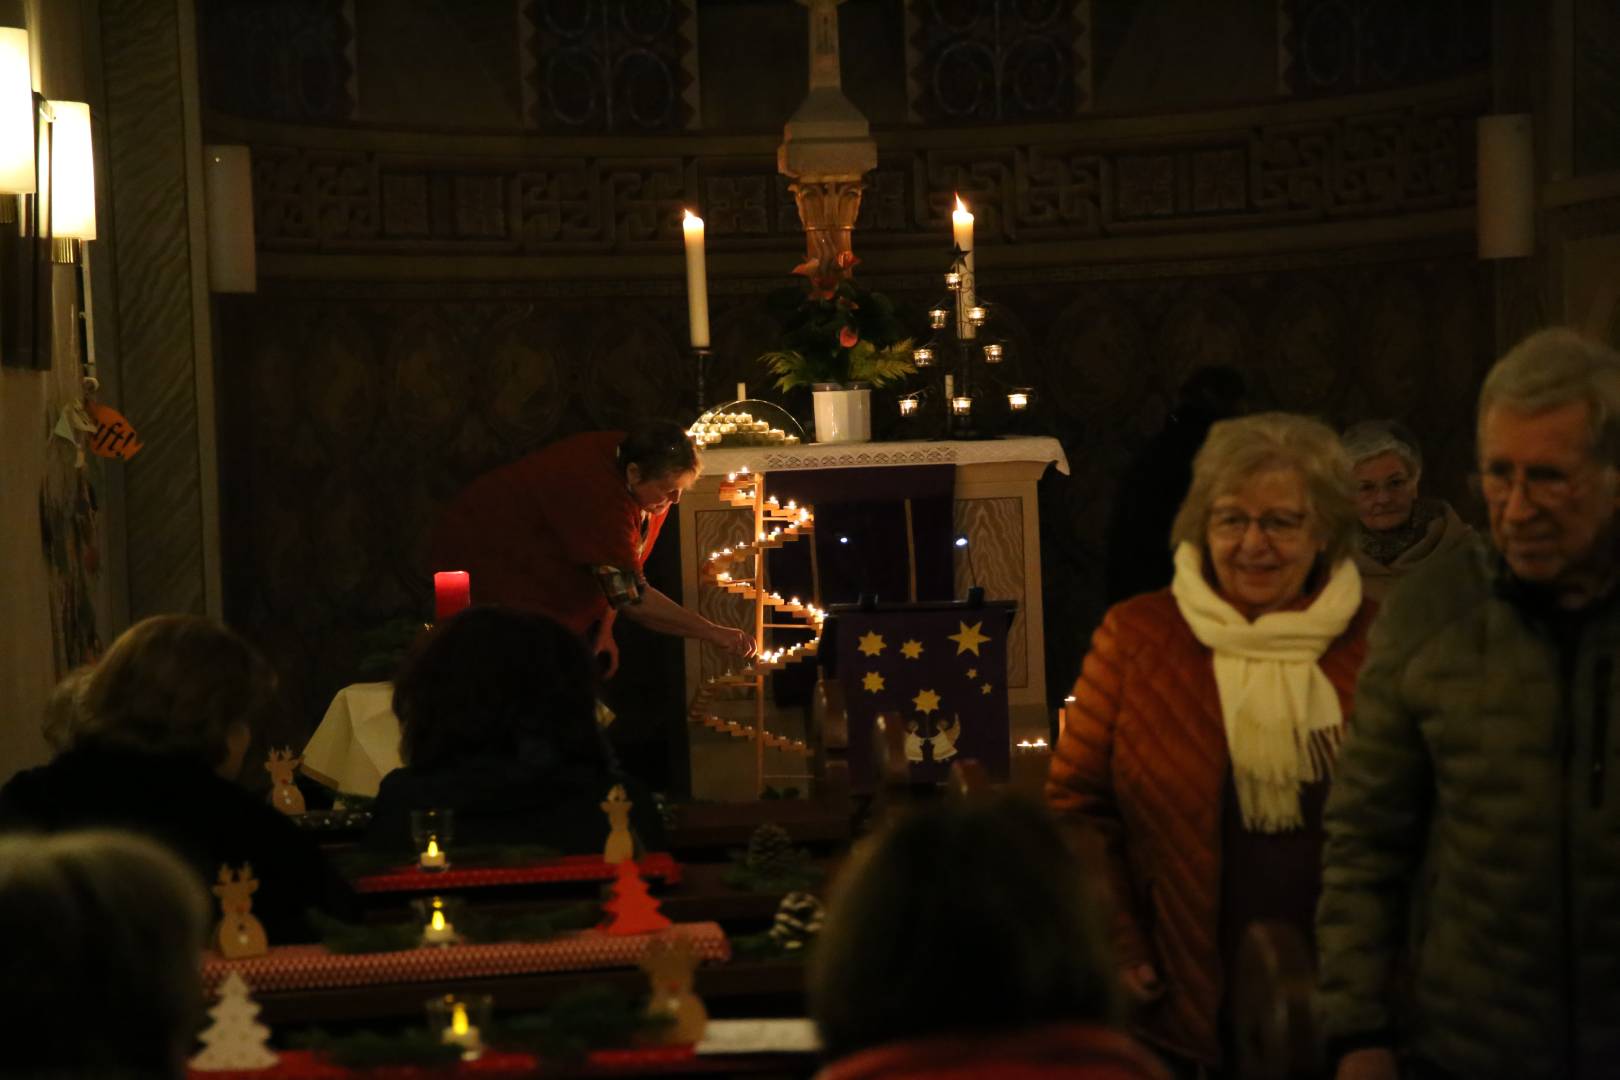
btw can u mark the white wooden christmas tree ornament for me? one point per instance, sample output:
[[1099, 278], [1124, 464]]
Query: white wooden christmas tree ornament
[[236, 1039]]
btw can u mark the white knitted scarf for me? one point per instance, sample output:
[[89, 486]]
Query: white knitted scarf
[[1283, 721]]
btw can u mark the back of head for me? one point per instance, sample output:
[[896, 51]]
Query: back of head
[[493, 681], [965, 915], [1557, 367], [1375, 438], [658, 448], [174, 684], [101, 973]]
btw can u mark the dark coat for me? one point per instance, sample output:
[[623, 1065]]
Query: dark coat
[[1479, 774], [184, 805], [1055, 1052]]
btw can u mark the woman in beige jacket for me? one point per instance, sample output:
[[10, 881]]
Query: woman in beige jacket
[[1399, 531]]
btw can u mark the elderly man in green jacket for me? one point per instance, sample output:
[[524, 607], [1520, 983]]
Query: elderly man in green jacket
[[1473, 828]]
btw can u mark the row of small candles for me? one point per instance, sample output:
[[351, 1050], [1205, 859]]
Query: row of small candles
[[923, 356], [962, 404]]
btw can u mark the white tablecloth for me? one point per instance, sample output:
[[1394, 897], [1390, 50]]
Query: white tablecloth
[[724, 459], [357, 743]]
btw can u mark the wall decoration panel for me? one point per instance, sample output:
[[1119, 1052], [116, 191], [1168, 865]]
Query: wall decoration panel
[[1349, 46]]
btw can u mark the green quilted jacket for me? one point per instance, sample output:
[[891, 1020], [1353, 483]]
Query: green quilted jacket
[[1476, 780]]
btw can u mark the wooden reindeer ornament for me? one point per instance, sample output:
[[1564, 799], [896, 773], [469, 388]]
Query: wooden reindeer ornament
[[620, 845], [284, 793], [240, 934], [670, 965]]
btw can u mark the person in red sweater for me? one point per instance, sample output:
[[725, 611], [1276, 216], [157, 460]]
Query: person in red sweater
[[1197, 748], [565, 532]]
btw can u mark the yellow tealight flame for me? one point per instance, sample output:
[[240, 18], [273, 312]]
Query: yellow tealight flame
[[433, 847], [438, 919], [458, 1019]]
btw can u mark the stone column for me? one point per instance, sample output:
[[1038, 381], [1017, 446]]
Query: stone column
[[827, 146]]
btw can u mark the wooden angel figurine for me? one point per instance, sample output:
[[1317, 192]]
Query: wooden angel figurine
[[240, 934], [620, 845], [284, 793], [670, 965]]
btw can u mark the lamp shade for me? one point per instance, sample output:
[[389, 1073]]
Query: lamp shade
[[73, 173], [16, 113], [228, 184], [1506, 200]]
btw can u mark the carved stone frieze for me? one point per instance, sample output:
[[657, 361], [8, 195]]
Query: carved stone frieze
[[1292, 164]]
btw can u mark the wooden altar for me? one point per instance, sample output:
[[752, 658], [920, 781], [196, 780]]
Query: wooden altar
[[994, 505]]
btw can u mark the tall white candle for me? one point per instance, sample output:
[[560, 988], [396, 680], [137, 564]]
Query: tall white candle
[[697, 282], [962, 232]]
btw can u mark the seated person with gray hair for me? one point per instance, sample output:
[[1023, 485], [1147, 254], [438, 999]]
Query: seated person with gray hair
[[1399, 530]]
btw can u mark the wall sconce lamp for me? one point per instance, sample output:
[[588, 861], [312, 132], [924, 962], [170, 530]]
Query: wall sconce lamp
[[228, 191], [16, 120], [72, 188]]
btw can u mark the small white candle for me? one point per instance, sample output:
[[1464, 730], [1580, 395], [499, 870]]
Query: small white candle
[[1017, 400], [463, 1033], [438, 930], [697, 282], [962, 227], [433, 858]]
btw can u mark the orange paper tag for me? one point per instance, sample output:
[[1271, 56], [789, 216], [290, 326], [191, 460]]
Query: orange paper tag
[[115, 437]]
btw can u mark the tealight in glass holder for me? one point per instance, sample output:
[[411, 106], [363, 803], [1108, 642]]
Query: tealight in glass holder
[[1018, 398], [908, 406], [953, 280], [432, 830], [923, 357], [460, 1021], [993, 354], [976, 315], [436, 914], [937, 318], [962, 405]]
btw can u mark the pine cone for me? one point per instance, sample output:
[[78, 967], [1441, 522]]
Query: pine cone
[[798, 919], [770, 849]]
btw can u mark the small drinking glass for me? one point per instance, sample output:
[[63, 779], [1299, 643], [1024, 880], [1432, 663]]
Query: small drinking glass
[[432, 831]]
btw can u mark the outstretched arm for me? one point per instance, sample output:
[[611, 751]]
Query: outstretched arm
[[658, 612]]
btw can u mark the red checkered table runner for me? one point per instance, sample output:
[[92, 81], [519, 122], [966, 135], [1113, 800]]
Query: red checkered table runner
[[657, 866], [312, 967], [304, 1065]]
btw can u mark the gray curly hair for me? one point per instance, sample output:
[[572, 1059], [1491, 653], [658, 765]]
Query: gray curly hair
[[1375, 438]]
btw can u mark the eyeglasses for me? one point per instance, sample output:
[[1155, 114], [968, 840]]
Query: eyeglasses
[[1546, 486], [1277, 527]]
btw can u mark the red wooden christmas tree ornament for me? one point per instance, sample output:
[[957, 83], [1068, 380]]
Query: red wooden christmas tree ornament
[[630, 908]]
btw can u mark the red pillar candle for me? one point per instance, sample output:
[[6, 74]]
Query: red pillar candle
[[452, 591]]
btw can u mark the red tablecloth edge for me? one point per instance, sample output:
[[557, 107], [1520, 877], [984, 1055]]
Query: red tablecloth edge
[[658, 865]]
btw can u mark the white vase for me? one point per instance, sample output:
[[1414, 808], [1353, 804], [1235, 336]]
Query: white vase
[[842, 415]]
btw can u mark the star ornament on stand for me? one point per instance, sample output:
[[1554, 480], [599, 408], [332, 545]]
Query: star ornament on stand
[[968, 639], [926, 702], [871, 644]]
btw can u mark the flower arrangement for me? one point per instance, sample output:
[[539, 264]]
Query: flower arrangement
[[835, 331]]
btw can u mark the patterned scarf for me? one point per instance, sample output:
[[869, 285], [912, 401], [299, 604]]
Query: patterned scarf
[[1387, 545], [1282, 715]]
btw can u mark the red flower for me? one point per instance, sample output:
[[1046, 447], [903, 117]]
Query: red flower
[[846, 261], [847, 337]]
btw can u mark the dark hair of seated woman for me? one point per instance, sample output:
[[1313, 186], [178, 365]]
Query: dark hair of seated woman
[[497, 715], [151, 739], [961, 923]]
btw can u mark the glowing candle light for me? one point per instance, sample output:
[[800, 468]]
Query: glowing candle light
[[433, 858], [908, 406], [697, 282]]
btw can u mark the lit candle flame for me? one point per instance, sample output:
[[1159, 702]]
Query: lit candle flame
[[961, 208], [438, 919], [458, 1015], [433, 848]]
